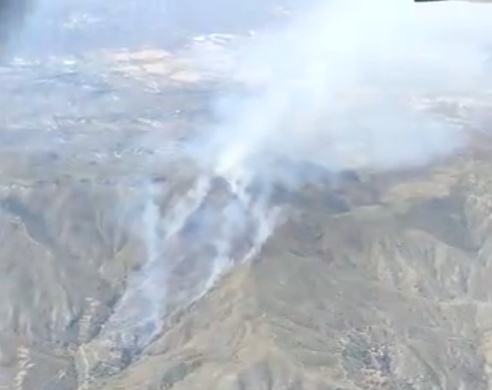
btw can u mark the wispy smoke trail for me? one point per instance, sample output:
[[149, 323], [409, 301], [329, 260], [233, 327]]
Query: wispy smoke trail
[[334, 87], [210, 228], [138, 313]]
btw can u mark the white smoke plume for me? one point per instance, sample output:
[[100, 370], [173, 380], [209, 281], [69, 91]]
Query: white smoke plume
[[139, 311], [210, 228], [337, 86]]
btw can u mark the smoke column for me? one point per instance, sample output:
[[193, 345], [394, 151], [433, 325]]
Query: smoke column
[[334, 86]]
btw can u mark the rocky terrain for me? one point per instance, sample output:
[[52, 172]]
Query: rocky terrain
[[125, 265], [371, 281]]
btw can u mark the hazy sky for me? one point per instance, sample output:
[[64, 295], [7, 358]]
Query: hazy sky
[[60, 25]]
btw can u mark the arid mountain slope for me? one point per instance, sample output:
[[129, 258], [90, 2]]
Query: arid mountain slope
[[370, 281], [393, 295], [112, 248], [378, 282]]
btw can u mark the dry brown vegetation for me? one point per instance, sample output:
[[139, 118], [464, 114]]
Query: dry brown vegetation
[[380, 282]]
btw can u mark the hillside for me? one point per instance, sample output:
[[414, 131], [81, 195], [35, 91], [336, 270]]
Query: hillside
[[129, 261], [372, 281]]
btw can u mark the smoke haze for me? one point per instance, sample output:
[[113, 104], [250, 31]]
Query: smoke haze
[[12, 16], [335, 84]]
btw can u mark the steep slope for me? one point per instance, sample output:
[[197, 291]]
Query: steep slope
[[111, 254], [391, 295], [372, 280], [55, 273]]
